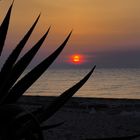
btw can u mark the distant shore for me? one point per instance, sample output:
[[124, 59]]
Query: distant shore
[[87, 118], [37, 99]]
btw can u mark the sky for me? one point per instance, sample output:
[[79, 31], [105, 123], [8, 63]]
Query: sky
[[105, 32]]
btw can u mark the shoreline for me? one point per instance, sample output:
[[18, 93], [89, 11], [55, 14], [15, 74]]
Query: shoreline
[[89, 98], [85, 100]]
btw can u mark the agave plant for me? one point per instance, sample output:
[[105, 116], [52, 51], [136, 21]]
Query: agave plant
[[17, 123]]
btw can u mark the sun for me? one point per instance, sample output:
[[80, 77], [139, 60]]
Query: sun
[[77, 59]]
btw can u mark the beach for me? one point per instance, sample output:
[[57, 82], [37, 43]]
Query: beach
[[88, 118]]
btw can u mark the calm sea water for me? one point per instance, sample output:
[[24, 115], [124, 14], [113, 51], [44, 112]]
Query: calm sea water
[[106, 83]]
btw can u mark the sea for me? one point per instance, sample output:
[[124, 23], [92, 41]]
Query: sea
[[104, 83]]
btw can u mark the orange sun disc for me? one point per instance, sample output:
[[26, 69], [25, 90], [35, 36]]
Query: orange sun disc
[[76, 58]]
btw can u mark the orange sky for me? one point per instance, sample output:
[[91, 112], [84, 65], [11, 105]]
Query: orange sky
[[99, 25]]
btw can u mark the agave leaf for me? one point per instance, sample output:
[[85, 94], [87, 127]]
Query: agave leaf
[[4, 28], [46, 127], [29, 124], [7, 67], [26, 128], [26, 59], [23, 84], [25, 117], [47, 112], [20, 66]]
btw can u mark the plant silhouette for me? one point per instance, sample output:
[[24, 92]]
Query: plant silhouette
[[17, 123]]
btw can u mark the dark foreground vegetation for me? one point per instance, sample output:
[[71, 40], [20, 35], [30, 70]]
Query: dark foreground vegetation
[[17, 122]]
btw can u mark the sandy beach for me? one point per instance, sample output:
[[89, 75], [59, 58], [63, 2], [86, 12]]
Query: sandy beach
[[87, 118]]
